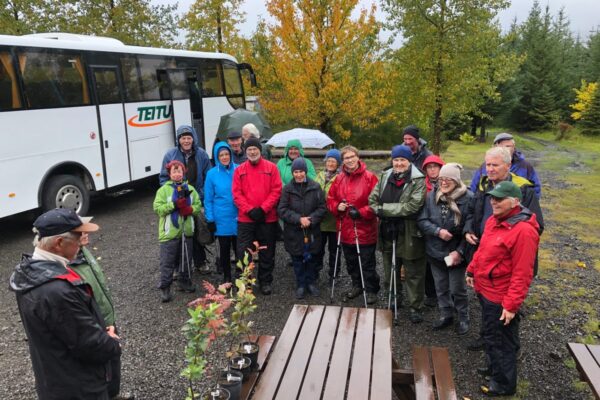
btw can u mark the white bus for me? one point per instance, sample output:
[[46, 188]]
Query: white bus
[[82, 114]]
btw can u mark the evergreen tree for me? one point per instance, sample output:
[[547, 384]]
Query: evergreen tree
[[592, 70]]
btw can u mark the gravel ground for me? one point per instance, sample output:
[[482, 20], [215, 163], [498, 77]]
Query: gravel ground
[[153, 344]]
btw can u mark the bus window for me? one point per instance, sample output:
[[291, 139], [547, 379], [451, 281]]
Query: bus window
[[212, 79], [131, 79], [233, 84], [9, 88], [107, 86], [53, 79], [179, 84], [149, 73]]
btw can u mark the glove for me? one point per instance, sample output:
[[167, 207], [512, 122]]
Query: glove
[[181, 203], [379, 212], [186, 211], [212, 227], [354, 213], [257, 214]]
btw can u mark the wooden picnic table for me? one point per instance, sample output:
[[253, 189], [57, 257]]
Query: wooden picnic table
[[587, 359], [330, 352]]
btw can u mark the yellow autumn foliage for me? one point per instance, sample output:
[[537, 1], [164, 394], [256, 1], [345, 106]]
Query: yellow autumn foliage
[[585, 95], [320, 67]]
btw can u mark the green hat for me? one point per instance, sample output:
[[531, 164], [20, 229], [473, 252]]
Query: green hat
[[506, 189]]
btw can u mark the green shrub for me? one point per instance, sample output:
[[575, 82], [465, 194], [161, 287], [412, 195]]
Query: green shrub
[[466, 138]]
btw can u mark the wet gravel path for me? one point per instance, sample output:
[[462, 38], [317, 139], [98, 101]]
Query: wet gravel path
[[153, 344]]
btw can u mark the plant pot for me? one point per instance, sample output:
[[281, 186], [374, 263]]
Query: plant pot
[[217, 393], [242, 364], [250, 350], [232, 381]]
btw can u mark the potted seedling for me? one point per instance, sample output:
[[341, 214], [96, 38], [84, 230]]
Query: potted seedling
[[206, 325], [244, 305]]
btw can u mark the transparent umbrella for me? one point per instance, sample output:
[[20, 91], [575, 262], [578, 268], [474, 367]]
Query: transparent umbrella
[[310, 138]]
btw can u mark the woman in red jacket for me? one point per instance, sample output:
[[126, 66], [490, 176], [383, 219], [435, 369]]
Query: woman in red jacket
[[348, 201], [501, 272]]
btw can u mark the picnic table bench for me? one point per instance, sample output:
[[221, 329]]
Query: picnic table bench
[[587, 360], [330, 352]]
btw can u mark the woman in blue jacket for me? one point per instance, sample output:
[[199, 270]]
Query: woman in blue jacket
[[221, 212]]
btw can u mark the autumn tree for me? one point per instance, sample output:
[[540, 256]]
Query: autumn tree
[[211, 25], [134, 22], [448, 63], [320, 67]]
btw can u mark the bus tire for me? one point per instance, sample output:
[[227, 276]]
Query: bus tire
[[66, 191]]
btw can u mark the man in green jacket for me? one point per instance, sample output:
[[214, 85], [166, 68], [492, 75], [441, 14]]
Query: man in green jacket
[[293, 150], [87, 267], [397, 199]]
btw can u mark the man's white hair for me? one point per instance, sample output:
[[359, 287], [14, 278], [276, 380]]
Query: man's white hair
[[48, 241], [501, 152], [252, 129]]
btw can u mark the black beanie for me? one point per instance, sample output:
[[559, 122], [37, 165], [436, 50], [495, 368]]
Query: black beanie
[[413, 131], [252, 142]]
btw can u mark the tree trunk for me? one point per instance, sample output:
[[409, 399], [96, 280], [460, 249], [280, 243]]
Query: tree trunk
[[482, 133]]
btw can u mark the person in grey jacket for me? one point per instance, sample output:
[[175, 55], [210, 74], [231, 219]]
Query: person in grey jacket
[[302, 208], [442, 221]]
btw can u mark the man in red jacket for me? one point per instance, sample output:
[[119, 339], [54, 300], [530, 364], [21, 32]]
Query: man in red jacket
[[256, 191], [501, 272], [348, 201]]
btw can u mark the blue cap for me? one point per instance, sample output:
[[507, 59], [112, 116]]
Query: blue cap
[[334, 153], [299, 165], [403, 151]]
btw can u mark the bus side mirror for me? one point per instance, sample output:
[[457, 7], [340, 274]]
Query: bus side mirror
[[248, 67]]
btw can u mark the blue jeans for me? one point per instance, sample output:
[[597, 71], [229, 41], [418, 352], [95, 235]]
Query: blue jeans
[[305, 271]]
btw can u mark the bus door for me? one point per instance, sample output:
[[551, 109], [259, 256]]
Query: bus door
[[108, 93], [181, 95]]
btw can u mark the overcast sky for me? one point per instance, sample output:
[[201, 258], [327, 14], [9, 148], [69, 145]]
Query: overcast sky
[[584, 15]]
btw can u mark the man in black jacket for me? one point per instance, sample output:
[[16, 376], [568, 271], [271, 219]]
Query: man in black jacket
[[69, 343]]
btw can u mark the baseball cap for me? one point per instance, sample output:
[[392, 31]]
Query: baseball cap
[[506, 189], [61, 220], [502, 136], [234, 135]]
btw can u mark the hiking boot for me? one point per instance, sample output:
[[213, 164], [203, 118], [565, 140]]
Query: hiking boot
[[186, 286], [300, 293], [165, 295], [123, 396], [203, 268], [313, 289], [352, 293], [442, 323], [266, 289], [371, 298], [489, 391], [462, 328], [475, 345], [415, 317]]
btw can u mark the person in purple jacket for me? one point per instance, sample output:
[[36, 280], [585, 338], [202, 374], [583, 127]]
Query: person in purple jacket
[[518, 166]]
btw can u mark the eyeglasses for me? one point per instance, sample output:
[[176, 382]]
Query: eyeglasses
[[446, 180]]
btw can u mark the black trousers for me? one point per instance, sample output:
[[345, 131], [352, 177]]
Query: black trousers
[[225, 244], [367, 258], [329, 240], [265, 234], [501, 344], [429, 282]]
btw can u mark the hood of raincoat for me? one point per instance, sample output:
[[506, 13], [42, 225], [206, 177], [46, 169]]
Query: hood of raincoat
[[217, 148], [293, 143], [187, 128]]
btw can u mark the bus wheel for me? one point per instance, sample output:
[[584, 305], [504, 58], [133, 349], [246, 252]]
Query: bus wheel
[[66, 191]]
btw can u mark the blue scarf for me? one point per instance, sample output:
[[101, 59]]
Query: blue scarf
[[180, 190]]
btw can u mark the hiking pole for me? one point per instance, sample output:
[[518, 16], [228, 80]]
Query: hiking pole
[[362, 278], [185, 262], [335, 265], [394, 279]]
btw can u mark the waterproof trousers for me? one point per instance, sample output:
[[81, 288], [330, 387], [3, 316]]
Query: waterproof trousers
[[501, 344], [451, 289], [265, 234], [414, 282], [225, 244], [305, 271], [367, 258], [171, 261], [329, 240]]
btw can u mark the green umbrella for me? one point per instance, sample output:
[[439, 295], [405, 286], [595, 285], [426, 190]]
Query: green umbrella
[[234, 121]]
